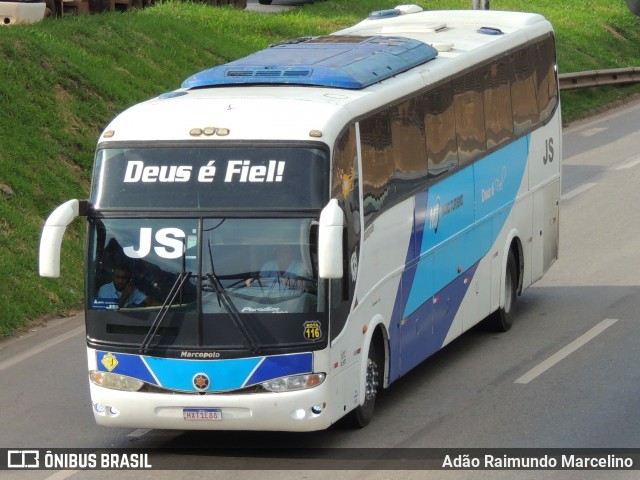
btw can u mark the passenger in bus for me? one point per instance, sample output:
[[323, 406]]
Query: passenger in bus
[[122, 290], [286, 269]]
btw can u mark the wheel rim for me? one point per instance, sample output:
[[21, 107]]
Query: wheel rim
[[371, 384]]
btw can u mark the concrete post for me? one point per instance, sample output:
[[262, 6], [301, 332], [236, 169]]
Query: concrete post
[[480, 4]]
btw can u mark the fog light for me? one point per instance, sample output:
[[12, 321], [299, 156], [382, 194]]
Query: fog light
[[114, 412], [316, 409], [99, 408], [299, 414]]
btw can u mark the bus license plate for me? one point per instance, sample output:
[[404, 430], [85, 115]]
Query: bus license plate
[[205, 414]]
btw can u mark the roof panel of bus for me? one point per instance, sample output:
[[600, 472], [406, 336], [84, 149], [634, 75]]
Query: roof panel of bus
[[442, 21], [344, 61], [465, 30]]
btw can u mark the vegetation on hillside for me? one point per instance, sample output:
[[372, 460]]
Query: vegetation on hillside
[[63, 79]]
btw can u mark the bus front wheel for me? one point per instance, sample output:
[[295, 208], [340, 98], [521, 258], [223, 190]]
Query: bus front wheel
[[362, 415], [264, 2], [502, 319]]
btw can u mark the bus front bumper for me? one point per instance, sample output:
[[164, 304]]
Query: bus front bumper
[[296, 411]]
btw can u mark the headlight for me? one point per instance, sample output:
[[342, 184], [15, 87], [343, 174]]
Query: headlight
[[296, 382], [115, 381]]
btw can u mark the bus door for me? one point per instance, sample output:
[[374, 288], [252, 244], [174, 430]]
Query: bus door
[[345, 188]]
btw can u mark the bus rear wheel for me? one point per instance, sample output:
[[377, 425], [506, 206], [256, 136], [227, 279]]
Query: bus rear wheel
[[264, 2], [362, 415], [502, 319]]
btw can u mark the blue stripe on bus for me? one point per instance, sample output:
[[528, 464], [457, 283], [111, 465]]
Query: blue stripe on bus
[[283, 365], [456, 221], [224, 375], [129, 365]]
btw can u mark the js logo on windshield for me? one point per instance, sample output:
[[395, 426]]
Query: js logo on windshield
[[169, 243]]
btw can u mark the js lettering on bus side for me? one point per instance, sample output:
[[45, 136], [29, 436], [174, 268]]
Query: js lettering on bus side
[[548, 151], [235, 171]]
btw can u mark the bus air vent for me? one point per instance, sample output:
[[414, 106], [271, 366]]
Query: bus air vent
[[250, 72], [490, 31], [340, 61]]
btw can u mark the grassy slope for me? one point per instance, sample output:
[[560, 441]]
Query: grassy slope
[[63, 79]]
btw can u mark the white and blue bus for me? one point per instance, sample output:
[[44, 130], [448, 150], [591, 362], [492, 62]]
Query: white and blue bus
[[408, 168]]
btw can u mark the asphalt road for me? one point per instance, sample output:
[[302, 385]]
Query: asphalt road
[[565, 376]]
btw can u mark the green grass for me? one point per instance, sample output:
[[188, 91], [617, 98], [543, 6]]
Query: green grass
[[62, 80]]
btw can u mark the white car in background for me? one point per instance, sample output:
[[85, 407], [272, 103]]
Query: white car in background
[[268, 2], [19, 11]]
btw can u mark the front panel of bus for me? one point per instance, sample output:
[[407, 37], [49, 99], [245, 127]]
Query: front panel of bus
[[202, 277]]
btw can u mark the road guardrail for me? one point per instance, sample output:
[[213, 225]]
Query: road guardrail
[[597, 78]]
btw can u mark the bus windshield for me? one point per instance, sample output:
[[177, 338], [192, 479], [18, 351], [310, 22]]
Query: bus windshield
[[249, 281]]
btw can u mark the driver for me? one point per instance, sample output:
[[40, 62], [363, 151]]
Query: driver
[[286, 269], [121, 288]]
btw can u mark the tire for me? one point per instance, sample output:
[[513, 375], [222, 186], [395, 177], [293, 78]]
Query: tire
[[265, 2], [502, 319], [634, 6], [362, 415]]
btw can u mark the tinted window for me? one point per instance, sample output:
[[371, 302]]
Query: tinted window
[[470, 126], [440, 129], [523, 90], [377, 162], [546, 79], [410, 156], [498, 112]]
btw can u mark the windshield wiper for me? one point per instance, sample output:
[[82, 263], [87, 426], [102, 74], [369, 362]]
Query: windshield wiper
[[229, 306], [168, 303]]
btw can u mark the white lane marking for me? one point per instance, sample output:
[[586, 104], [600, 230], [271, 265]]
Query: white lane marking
[[592, 131], [577, 191], [139, 433], [629, 164], [40, 348], [61, 475], [566, 351]]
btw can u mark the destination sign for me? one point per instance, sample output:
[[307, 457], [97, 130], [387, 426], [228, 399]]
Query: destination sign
[[214, 178]]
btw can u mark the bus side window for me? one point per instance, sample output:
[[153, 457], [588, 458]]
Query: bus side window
[[498, 112], [378, 169], [409, 147], [546, 78], [469, 105], [440, 130], [523, 91]]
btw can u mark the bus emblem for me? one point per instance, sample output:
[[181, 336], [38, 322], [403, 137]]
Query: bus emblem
[[109, 361], [201, 381], [434, 216]]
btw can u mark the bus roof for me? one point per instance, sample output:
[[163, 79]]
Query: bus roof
[[342, 61], [274, 95]]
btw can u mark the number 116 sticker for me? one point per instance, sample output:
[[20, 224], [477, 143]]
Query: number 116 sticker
[[312, 330]]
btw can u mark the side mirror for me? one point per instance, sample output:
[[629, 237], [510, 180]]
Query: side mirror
[[52, 233], [330, 262]]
